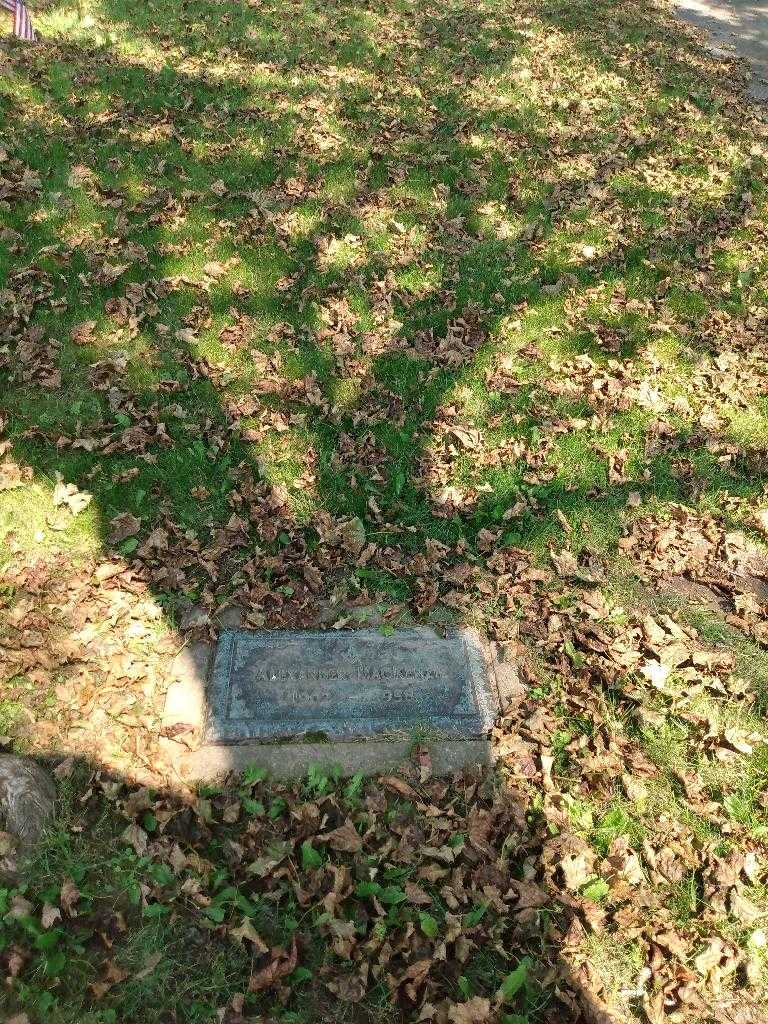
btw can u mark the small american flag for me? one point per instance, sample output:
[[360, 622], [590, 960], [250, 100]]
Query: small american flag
[[22, 23]]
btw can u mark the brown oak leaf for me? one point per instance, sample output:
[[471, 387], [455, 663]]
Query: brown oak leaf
[[280, 966]]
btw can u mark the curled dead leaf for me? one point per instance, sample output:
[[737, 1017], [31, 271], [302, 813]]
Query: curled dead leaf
[[69, 495], [69, 896], [281, 965], [247, 933], [50, 915], [344, 838], [399, 786], [135, 837], [476, 1010]]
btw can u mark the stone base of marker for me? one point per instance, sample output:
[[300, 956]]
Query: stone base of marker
[[354, 699], [291, 760], [184, 713]]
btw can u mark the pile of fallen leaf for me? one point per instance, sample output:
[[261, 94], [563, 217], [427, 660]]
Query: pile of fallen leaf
[[89, 641], [587, 836], [509, 842], [401, 881]]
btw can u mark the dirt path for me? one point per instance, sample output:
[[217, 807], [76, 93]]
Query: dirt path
[[734, 28]]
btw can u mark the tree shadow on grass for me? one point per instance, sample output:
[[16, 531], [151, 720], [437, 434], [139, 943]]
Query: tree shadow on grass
[[233, 420], [238, 287], [216, 275], [260, 303], [193, 908]]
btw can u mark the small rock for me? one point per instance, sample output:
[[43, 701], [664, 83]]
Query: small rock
[[194, 617], [231, 617], [27, 801], [351, 535], [512, 691]]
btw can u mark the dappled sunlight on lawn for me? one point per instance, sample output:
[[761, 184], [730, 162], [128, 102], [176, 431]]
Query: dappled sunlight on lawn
[[453, 312]]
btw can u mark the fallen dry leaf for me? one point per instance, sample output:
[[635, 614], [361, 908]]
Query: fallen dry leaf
[[69, 896], [476, 1010], [246, 932], [122, 527], [70, 496], [350, 988], [135, 837], [399, 786], [281, 965], [345, 838], [49, 915]]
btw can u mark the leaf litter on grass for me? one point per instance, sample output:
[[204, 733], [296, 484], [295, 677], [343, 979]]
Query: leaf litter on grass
[[453, 312]]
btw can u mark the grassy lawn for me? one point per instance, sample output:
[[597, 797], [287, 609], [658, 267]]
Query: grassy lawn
[[453, 309]]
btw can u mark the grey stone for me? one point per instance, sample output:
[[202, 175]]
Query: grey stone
[[27, 802], [184, 704], [291, 760], [510, 688], [185, 697], [271, 686], [194, 617], [231, 617], [192, 662]]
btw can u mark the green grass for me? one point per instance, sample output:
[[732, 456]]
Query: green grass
[[10, 713], [486, 280], [156, 953], [251, 153], [158, 936]]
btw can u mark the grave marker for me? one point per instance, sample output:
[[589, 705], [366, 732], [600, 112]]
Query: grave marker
[[347, 684], [356, 698]]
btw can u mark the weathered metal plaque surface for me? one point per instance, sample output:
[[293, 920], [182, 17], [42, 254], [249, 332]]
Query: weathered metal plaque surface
[[273, 685]]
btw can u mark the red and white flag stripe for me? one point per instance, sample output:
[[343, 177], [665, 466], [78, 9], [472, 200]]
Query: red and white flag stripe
[[22, 23]]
